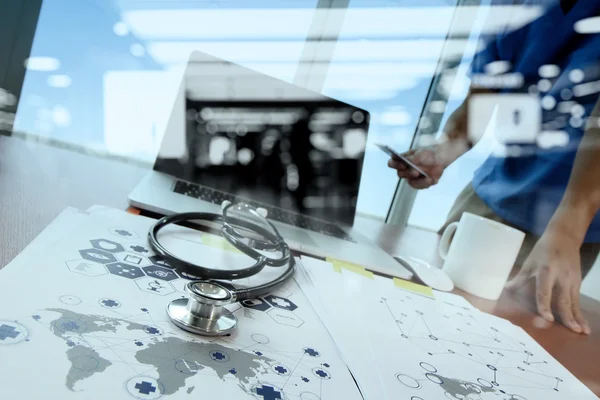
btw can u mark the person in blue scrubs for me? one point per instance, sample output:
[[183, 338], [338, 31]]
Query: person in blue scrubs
[[553, 194]]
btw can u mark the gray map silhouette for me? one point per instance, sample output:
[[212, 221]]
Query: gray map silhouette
[[174, 359]]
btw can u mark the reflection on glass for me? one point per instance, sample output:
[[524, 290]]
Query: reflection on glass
[[113, 66], [107, 80], [532, 114], [265, 141]]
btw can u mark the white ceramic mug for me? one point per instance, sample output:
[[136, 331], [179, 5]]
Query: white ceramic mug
[[479, 254]]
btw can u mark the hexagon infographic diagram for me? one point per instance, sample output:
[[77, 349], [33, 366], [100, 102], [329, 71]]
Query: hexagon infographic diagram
[[154, 286], [107, 245], [99, 256], [153, 274], [285, 317], [256, 304], [86, 268], [179, 284], [125, 270], [280, 302], [138, 248], [158, 260], [161, 273], [132, 258]]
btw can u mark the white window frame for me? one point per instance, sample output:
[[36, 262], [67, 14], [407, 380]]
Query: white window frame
[[405, 196]]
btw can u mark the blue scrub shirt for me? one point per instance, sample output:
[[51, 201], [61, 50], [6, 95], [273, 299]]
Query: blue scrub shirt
[[527, 190]]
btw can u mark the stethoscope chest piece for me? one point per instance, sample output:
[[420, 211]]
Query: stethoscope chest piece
[[203, 312]]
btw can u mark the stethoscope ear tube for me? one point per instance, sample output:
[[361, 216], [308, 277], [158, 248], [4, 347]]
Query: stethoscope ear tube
[[204, 312], [193, 269], [251, 293], [272, 240], [249, 250]]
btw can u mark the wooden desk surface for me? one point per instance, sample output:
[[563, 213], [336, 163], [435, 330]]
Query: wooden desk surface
[[37, 182]]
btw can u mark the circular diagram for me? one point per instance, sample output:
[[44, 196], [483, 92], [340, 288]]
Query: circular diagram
[[321, 373], [485, 383], [281, 369], [428, 367], [219, 356], [70, 300], [66, 325], [260, 338], [434, 378], [187, 367], [408, 381]]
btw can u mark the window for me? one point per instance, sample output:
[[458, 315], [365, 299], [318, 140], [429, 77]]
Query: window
[[383, 61], [471, 22], [18, 22], [106, 81]]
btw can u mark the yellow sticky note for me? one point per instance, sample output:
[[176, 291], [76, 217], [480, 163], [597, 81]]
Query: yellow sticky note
[[219, 243], [357, 269], [414, 288]]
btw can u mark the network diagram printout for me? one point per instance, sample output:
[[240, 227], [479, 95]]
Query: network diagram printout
[[93, 324], [402, 345]]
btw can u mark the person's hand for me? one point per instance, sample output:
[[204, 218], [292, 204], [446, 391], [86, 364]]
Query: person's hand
[[427, 160], [555, 264], [453, 143], [433, 160]]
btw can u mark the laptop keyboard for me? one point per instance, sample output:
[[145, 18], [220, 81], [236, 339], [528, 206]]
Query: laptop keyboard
[[276, 214]]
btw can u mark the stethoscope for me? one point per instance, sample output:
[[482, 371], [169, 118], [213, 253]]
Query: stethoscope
[[247, 229]]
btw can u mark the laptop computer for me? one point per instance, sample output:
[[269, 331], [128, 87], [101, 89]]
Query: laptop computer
[[239, 135]]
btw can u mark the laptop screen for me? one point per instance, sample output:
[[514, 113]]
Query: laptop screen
[[265, 140]]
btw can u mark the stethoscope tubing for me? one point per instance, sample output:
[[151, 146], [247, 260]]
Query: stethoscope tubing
[[273, 242]]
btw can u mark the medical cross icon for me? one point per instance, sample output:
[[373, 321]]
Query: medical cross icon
[[145, 388], [7, 331], [321, 373], [283, 303], [311, 352], [110, 303], [152, 330], [268, 393], [281, 369], [138, 249]]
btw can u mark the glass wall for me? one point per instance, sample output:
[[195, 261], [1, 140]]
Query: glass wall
[[384, 60], [106, 81], [103, 75], [475, 25]]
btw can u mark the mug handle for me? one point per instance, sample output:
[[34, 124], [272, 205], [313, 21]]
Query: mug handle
[[445, 242]]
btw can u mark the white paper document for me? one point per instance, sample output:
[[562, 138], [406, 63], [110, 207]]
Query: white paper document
[[401, 345], [83, 316]]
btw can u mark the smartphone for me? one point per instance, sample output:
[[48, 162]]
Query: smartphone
[[399, 157]]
